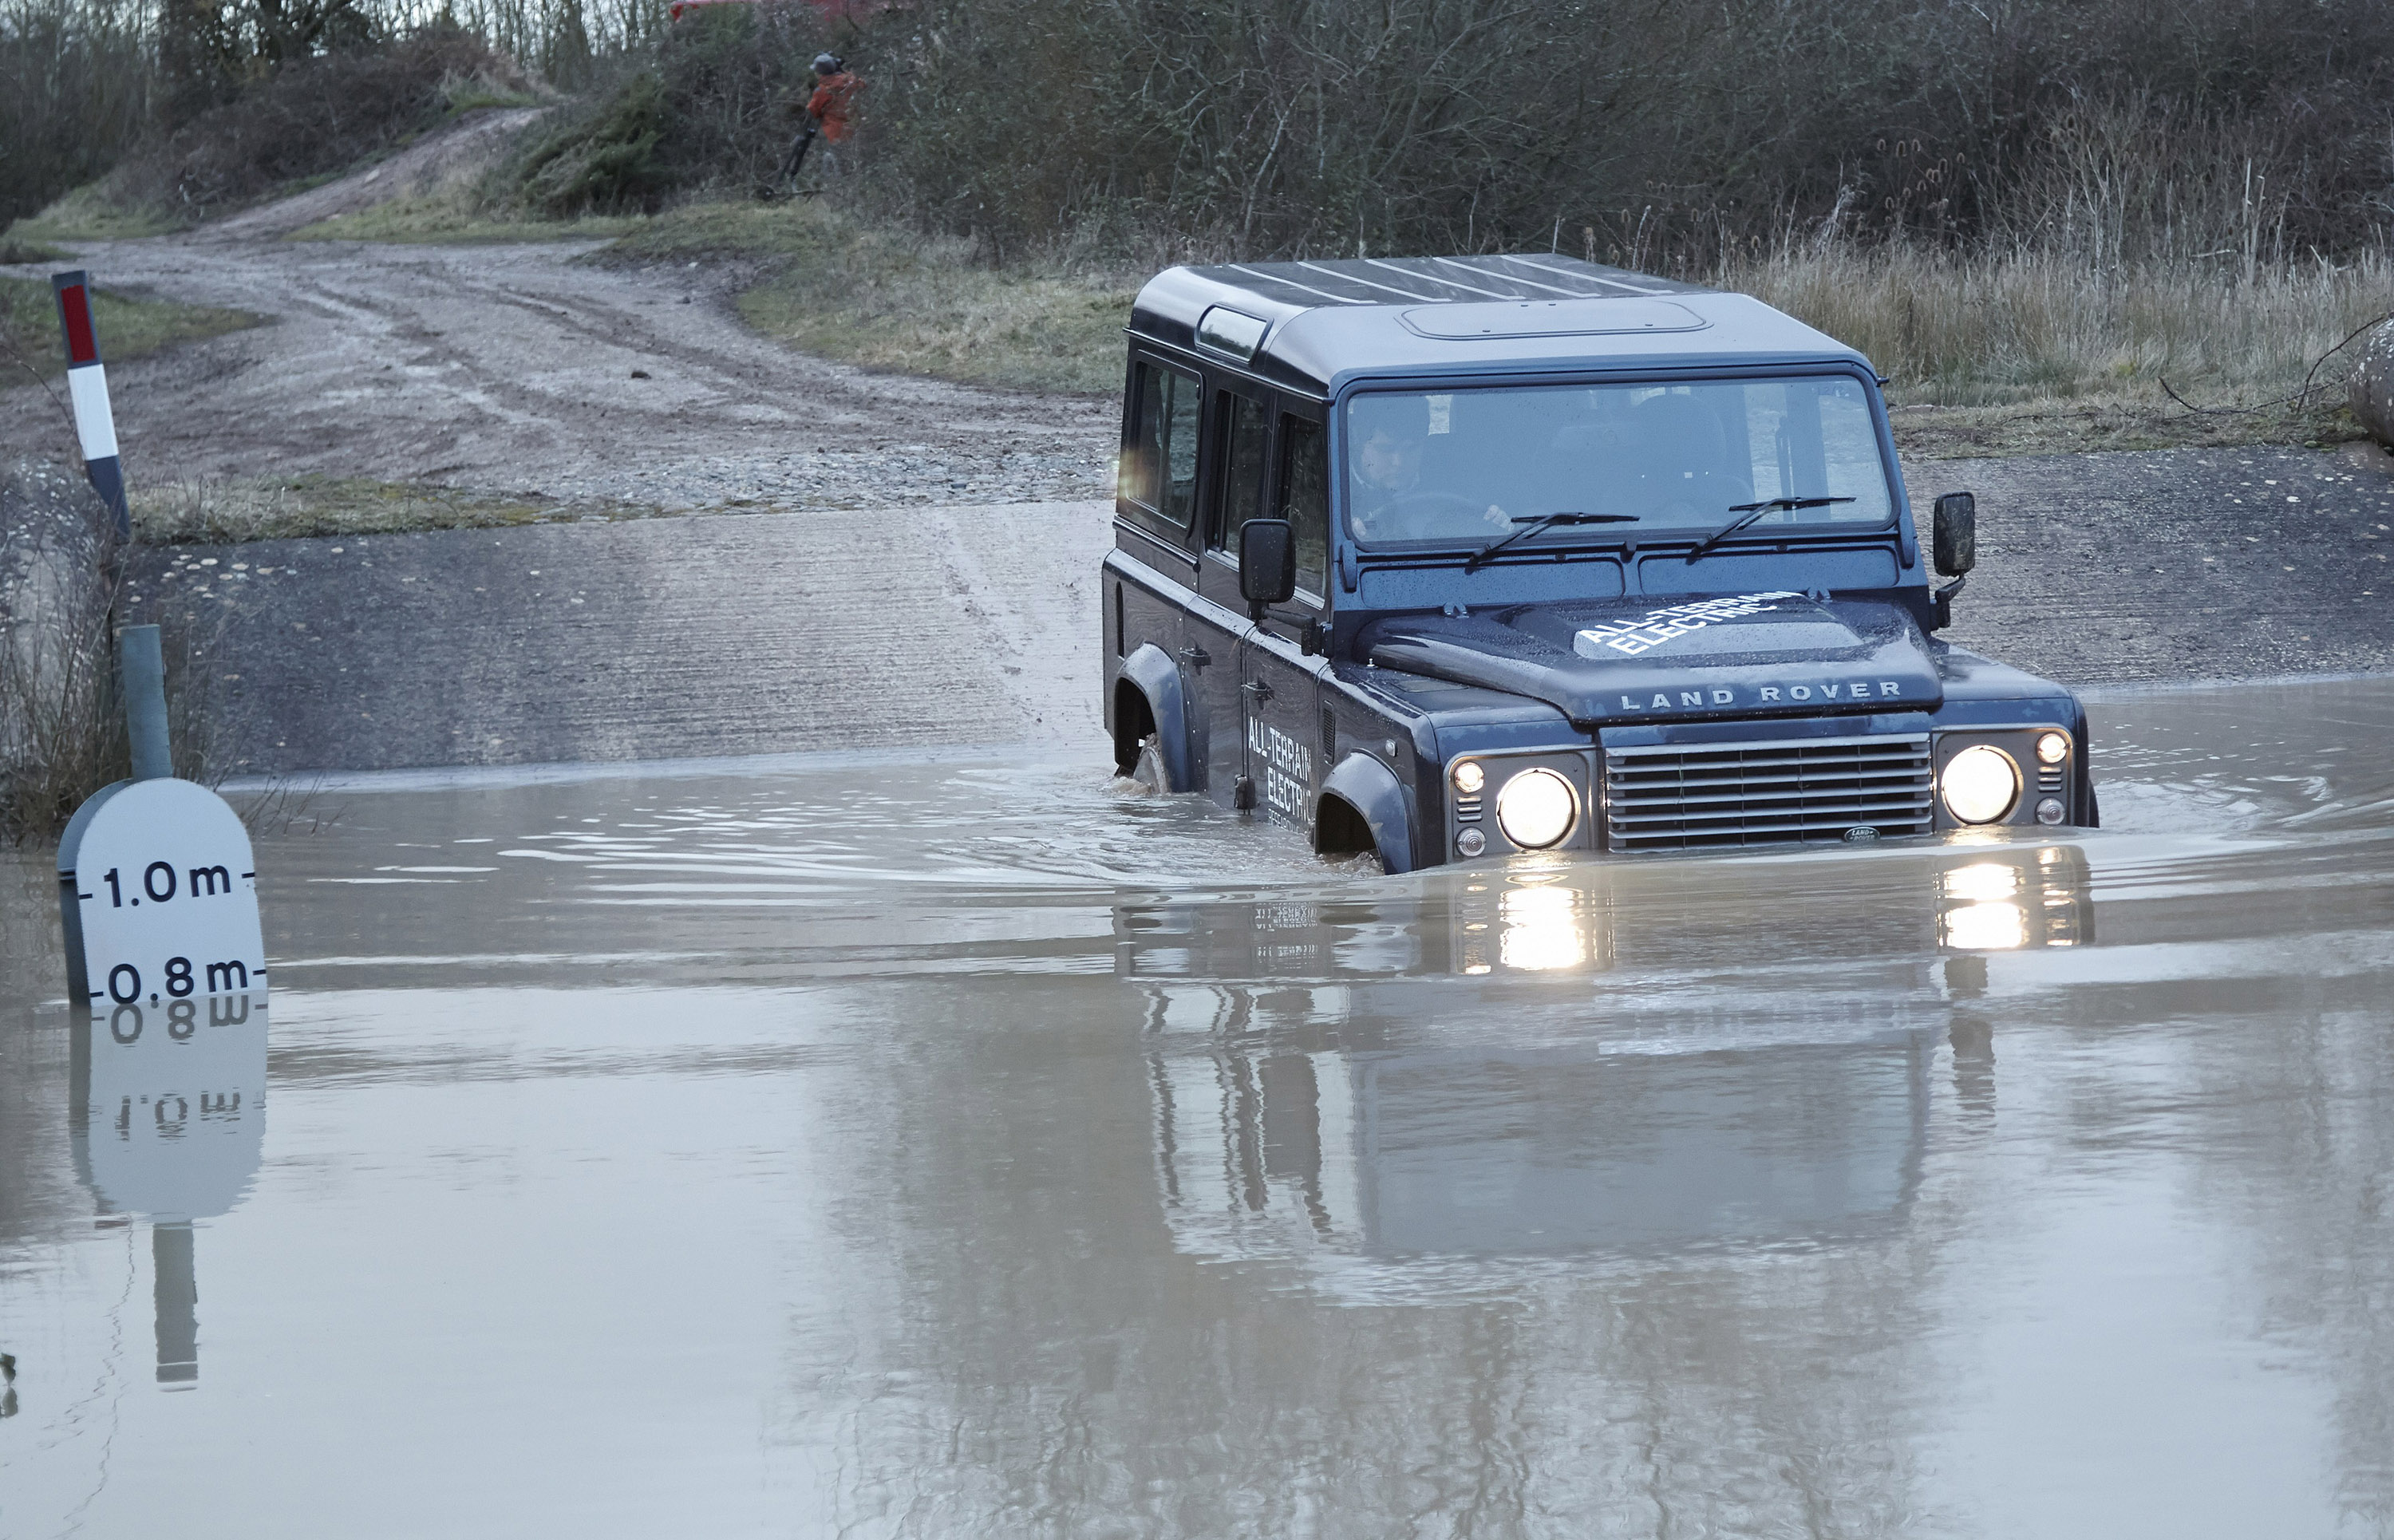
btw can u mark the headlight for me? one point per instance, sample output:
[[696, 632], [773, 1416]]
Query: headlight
[[1536, 809], [1469, 778], [1980, 784], [2052, 749]]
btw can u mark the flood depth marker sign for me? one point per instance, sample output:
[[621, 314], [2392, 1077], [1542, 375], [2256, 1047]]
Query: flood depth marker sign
[[159, 896]]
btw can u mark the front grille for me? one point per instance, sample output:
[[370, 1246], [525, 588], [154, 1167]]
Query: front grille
[[1691, 796]]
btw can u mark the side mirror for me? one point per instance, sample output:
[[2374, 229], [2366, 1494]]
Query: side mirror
[[1266, 564], [1956, 541]]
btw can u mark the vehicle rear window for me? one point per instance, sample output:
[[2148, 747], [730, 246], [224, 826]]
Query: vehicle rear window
[[1159, 473]]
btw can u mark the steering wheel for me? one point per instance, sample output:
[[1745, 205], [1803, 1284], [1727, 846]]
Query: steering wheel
[[1417, 515]]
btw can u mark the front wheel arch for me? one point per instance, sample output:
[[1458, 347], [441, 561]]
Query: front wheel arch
[[1364, 807]]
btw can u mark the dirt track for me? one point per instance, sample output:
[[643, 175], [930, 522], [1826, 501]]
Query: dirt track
[[517, 369]]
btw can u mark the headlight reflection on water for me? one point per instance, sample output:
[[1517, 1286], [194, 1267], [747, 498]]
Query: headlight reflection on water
[[2000, 927], [1981, 882], [1544, 929], [2018, 902]]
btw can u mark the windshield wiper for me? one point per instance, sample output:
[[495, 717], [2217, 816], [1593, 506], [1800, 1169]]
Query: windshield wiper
[[1748, 512], [1539, 523]]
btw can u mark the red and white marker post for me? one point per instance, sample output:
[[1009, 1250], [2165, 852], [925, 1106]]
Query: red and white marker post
[[87, 387]]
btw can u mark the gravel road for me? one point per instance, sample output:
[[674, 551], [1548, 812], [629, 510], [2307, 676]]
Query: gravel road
[[916, 563], [517, 369]]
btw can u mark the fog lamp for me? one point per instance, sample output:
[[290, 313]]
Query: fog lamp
[[1469, 778], [2052, 749], [1980, 784], [1536, 809]]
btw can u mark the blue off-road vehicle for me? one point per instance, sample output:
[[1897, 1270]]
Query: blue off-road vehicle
[[1453, 557]]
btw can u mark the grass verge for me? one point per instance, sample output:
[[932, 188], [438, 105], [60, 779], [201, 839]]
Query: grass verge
[[458, 221], [89, 214], [14, 251], [128, 327], [229, 512], [839, 287]]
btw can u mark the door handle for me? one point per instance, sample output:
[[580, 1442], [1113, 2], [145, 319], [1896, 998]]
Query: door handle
[[1195, 657], [1259, 690]]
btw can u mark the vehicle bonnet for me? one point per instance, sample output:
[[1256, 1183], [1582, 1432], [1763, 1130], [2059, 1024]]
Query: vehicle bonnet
[[1609, 661]]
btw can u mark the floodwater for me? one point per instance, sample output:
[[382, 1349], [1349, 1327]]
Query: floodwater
[[869, 1146]]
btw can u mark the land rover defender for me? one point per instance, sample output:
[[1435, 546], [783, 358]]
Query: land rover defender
[[1445, 558]]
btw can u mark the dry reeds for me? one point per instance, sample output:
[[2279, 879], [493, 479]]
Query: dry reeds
[[1995, 328]]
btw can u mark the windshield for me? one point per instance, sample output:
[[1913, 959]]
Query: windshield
[[1465, 466]]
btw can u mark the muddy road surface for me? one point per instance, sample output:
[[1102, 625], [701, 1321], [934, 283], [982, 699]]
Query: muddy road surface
[[521, 369], [874, 1148]]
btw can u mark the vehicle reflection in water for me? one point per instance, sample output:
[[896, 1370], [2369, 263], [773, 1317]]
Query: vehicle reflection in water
[[168, 1123], [1308, 1111]]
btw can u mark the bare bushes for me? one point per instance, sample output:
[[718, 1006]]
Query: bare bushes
[[58, 741], [62, 723], [2125, 128], [318, 115], [75, 94], [715, 107]]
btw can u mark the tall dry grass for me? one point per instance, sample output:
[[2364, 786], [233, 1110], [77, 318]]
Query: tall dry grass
[[1996, 328]]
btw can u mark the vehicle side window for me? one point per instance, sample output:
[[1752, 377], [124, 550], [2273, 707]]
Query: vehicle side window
[[1160, 474], [1304, 499], [1242, 481]]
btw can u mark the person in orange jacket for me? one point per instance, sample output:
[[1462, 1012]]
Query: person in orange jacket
[[830, 115]]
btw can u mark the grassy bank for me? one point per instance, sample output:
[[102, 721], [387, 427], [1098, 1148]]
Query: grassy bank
[[882, 298], [128, 327]]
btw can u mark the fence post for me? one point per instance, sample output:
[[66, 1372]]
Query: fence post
[[142, 673]]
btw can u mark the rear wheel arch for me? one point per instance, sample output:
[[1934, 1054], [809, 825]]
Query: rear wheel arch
[[1149, 703]]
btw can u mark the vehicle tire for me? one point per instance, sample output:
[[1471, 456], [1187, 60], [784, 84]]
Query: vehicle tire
[[1149, 770]]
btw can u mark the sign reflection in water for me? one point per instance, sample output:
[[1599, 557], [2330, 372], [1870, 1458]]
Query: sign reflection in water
[[168, 1123], [1311, 1108]]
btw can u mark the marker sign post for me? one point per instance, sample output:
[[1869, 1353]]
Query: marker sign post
[[157, 888], [87, 388]]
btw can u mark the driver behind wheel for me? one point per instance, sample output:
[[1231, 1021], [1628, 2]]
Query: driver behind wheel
[[1386, 497]]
